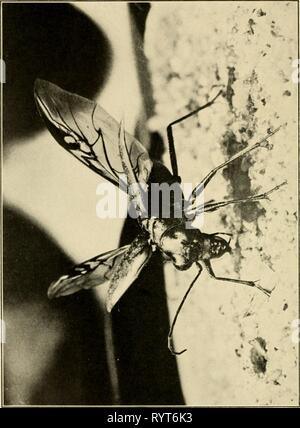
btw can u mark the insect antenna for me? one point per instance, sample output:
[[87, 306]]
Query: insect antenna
[[170, 335]]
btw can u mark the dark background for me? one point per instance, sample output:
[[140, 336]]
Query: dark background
[[50, 41]]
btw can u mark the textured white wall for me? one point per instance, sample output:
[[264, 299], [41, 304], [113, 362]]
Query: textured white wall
[[232, 331]]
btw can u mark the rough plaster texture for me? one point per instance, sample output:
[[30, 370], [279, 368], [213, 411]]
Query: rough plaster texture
[[240, 350]]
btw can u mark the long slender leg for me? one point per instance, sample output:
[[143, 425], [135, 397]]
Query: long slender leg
[[171, 138], [237, 281], [203, 183], [170, 335], [208, 207]]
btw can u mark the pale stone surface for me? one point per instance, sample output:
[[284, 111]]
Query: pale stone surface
[[240, 348]]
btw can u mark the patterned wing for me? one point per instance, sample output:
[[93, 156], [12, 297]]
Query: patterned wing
[[128, 269], [88, 274], [89, 133], [118, 268]]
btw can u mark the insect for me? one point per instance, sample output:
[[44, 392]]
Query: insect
[[90, 134]]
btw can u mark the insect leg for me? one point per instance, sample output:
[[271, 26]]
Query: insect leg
[[208, 207], [200, 187], [170, 335], [237, 281], [170, 136]]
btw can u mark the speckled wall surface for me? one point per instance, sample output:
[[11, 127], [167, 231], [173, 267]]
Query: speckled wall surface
[[240, 348]]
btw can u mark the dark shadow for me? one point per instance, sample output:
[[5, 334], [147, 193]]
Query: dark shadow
[[147, 371], [55, 42], [139, 13], [58, 43], [77, 373], [157, 147]]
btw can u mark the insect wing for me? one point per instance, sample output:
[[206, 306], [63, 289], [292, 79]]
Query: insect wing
[[128, 269], [88, 132], [88, 274]]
